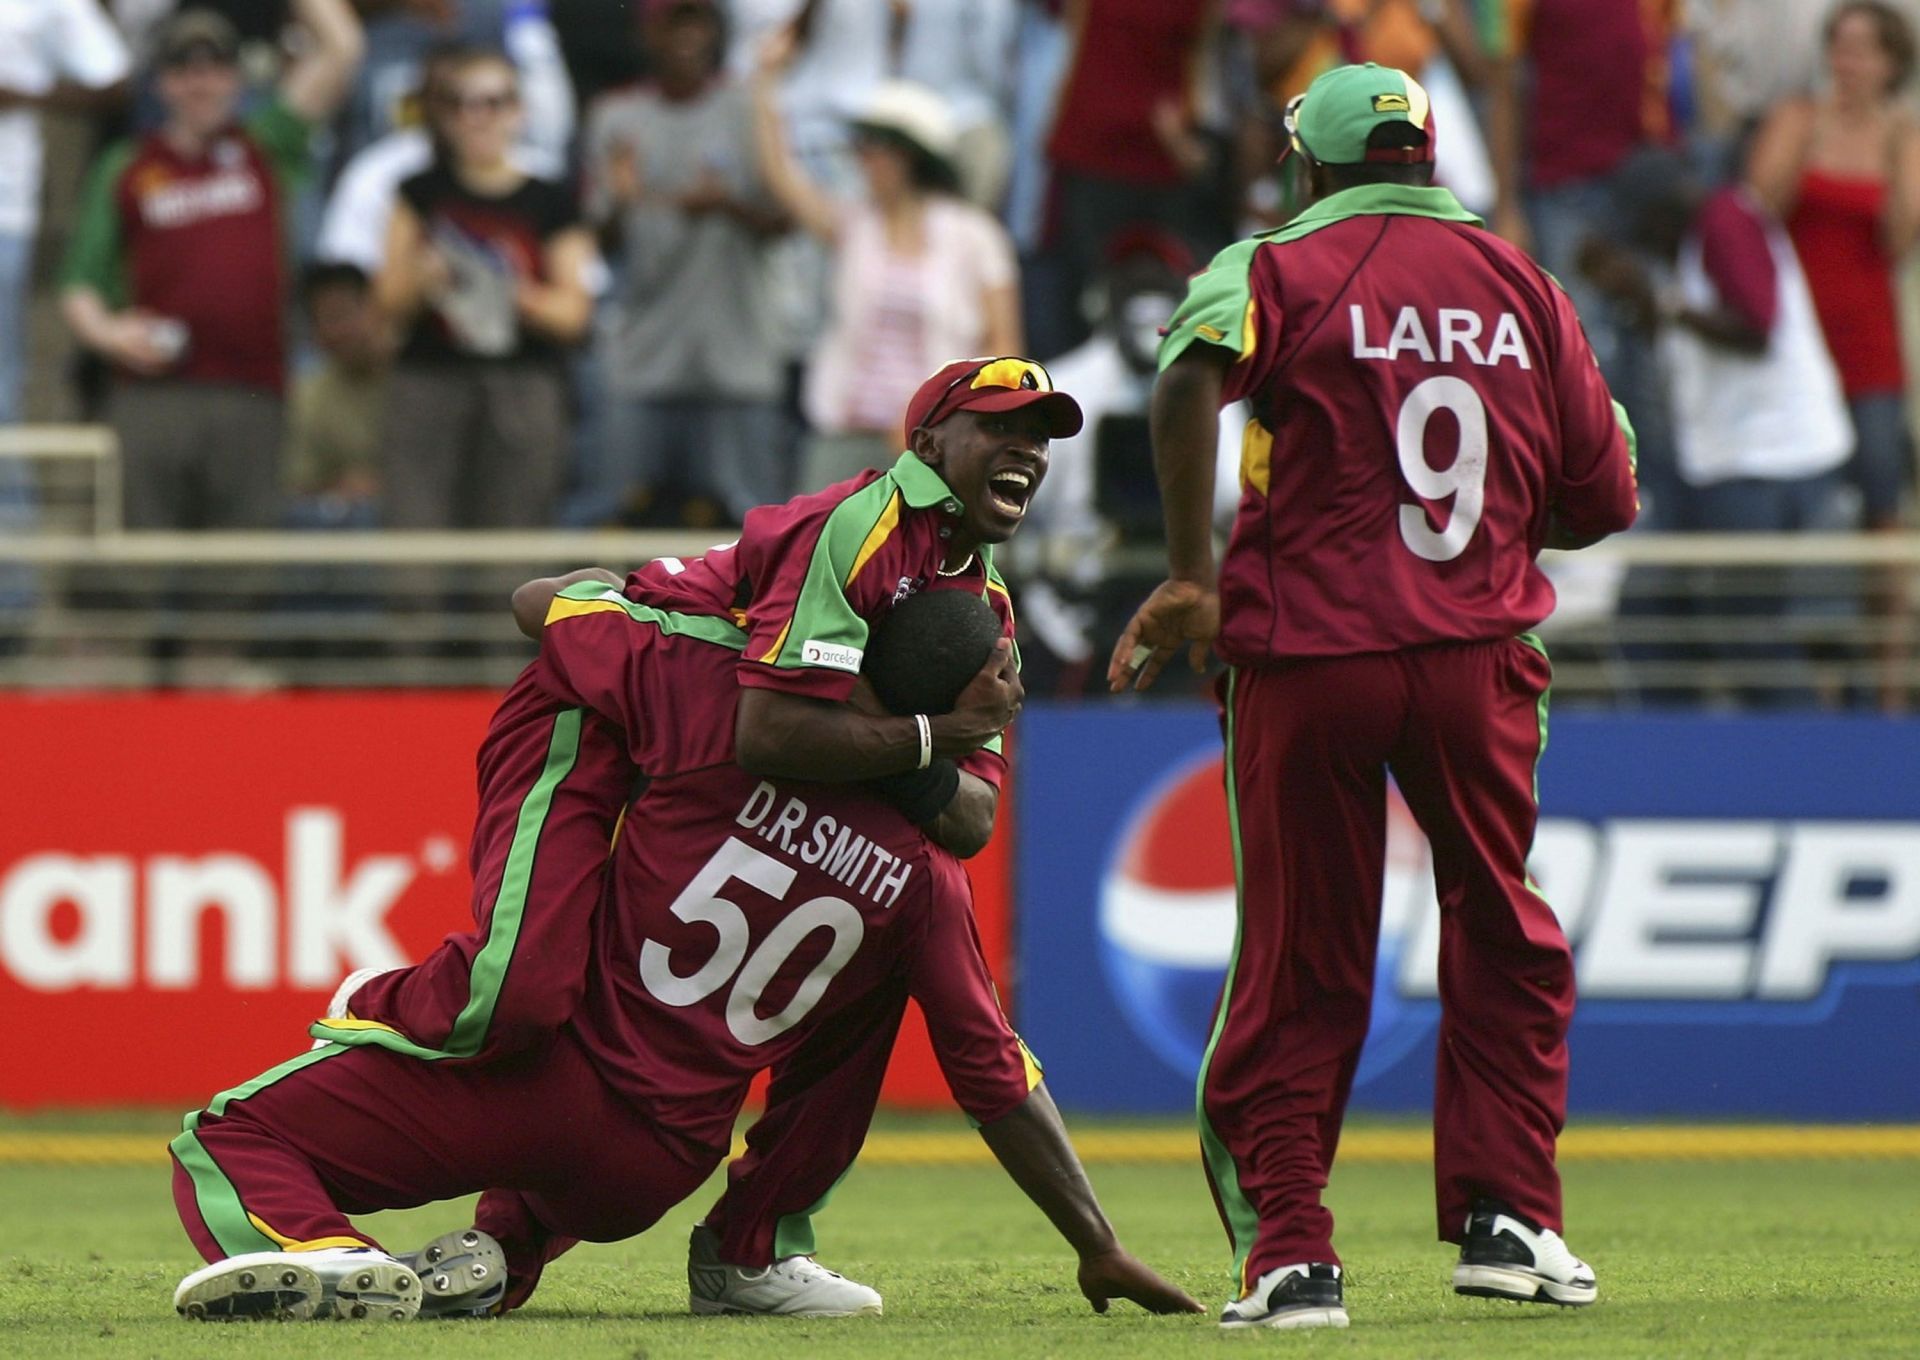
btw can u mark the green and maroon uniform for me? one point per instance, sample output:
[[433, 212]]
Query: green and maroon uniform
[[624, 690], [1424, 403], [201, 239], [748, 925]]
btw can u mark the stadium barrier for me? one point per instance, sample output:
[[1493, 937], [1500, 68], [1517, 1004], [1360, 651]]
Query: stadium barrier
[[1783, 620], [1742, 894], [185, 878]]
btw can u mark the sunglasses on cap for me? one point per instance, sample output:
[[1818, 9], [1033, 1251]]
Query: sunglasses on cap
[[1290, 124], [1012, 374]]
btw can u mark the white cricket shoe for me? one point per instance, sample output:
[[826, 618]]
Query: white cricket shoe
[[1503, 1256], [1305, 1295], [344, 1282], [794, 1286], [462, 1273]]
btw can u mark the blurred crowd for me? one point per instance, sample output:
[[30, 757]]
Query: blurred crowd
[[515, 263]]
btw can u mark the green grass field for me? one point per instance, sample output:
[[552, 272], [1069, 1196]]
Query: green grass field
[[1772, 1257]]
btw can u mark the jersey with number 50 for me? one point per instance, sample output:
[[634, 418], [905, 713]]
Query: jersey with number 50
[[743, 918], [1423, 402]]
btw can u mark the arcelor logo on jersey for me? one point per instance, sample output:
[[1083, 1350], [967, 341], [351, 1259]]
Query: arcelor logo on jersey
[[1691, 910]]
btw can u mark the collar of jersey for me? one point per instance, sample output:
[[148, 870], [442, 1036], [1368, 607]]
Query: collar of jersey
[[920, 486], [1365, 200]]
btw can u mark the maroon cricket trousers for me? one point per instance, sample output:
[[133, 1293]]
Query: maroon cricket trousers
[[1310, 744]]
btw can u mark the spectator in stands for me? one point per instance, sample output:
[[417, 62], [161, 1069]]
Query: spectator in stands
[[487, 275], [354, 226], [1843, 168], [1748, 55], [919, 274], [692, 377], [1760, 425], [1289, 42], [963, 50], [1123, 149], [175, 273], [403, 34], [332, 469], [1581, 87], [54, 54]]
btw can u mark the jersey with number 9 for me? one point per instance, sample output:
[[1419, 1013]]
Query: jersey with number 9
[[1424, 403]]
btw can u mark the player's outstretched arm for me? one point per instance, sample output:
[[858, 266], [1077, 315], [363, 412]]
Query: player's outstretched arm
[[532, 600], [1184, 612], [1032, 1145]]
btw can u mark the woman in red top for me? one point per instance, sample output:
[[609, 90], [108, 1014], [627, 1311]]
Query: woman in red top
[[1842, 169]]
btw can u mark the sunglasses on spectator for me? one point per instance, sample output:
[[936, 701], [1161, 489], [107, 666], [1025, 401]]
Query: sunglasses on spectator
[[491, 101]]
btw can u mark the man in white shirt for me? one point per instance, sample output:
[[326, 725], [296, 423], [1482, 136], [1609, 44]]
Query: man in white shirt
[[53, 54]]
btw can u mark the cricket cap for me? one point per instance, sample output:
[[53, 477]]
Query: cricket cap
[[990, 384], [1340, 111], [197, 35]]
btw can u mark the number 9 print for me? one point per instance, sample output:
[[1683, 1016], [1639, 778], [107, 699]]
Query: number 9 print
[[1465, 480]]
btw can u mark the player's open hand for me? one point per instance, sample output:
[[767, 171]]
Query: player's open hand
[[1117, 1275], [1178, 614], [986, 706]]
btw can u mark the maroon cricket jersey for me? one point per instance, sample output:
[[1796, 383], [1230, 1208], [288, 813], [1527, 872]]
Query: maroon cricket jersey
[[742, 914], [1423, 401], [806, 581], [200, 239]]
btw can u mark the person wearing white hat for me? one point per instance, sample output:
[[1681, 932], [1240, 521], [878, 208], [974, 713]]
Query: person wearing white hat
[[919, 275]]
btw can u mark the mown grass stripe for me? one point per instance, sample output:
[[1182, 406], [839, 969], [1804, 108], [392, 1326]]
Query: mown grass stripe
[[1646, 1143]]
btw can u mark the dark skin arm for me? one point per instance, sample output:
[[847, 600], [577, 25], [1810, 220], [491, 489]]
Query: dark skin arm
[[66, 97], [789, 736], [825, 730], [1031, 1144], [1618, 274], [1184, 610]]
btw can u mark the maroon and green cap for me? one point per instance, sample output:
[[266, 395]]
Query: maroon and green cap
[[1340, 110], [1002, 384]]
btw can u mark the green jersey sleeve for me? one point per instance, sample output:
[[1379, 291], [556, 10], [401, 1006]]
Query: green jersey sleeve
[[285, 138], [94, 259], [1218, 307]]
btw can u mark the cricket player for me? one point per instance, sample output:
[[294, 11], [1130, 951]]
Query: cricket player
[[794, 597], [554, 774], [1427, 416], [749, 924]]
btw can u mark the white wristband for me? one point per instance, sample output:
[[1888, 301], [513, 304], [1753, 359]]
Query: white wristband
[[926, 740]]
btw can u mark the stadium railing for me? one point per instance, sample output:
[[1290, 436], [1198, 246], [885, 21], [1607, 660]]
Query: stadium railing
[[1799, 620]]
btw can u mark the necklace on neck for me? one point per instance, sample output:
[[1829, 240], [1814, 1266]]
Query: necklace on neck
[[956, 570]]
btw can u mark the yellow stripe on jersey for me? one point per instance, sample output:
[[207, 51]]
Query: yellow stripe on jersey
[[1034, 1075], [1001, 591], [1256, 456], [772, 653], [564, 608], [353, 1022], [877, 536], [1249, 334], [286, 1243]]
